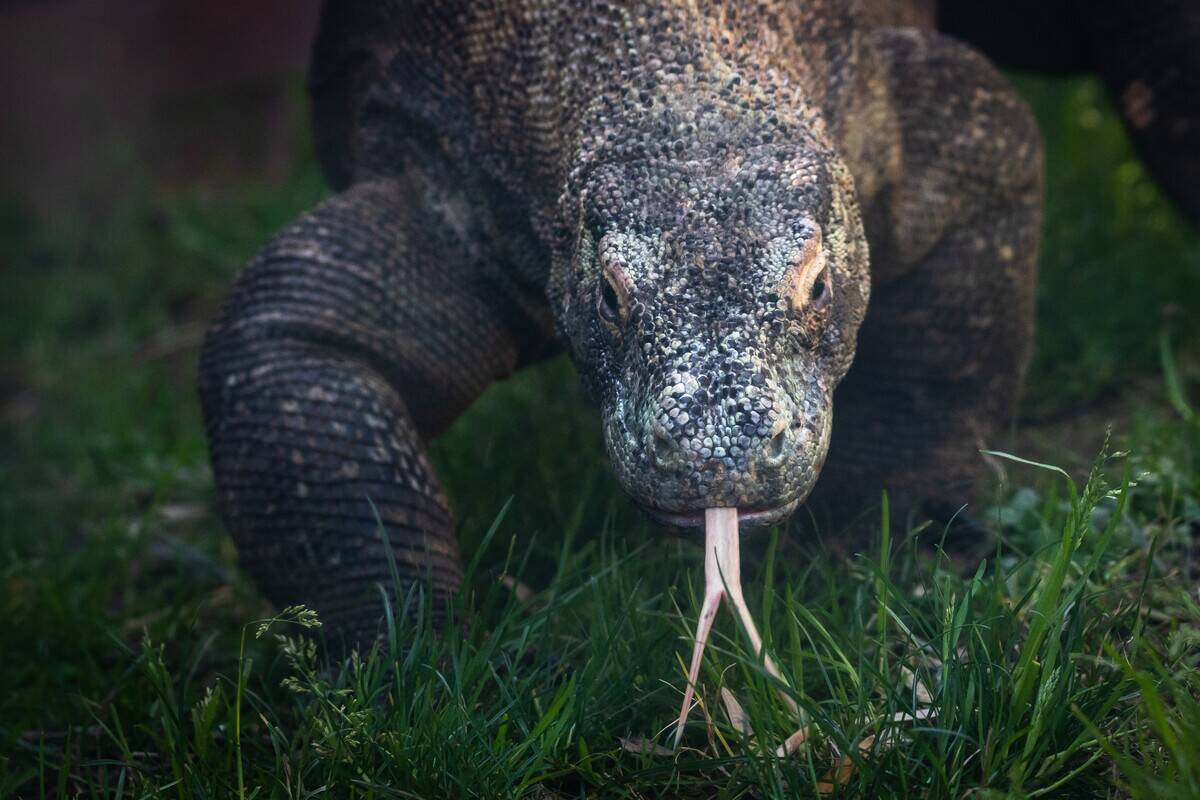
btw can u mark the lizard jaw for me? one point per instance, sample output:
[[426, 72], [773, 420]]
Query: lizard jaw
[[749, 518]]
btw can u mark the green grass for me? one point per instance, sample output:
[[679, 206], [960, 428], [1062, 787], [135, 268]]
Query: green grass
[[133, 662]]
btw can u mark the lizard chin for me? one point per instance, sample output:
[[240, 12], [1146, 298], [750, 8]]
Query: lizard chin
[[747, 517]]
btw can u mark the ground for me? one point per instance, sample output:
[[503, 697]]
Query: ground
[[1054, 657]]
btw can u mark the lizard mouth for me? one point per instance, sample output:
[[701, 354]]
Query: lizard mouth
[[747, 517]]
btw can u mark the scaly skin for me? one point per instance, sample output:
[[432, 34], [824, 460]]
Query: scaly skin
[[684, 194]]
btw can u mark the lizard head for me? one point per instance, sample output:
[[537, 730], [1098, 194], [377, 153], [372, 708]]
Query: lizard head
[[711, 306]]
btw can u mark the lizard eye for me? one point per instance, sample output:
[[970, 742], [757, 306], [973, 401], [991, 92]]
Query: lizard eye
[[612, 303], [807, 285], [819, 295]]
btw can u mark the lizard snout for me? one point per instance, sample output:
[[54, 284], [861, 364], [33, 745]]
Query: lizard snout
[[729, 456], [722, 435], [721, 454]]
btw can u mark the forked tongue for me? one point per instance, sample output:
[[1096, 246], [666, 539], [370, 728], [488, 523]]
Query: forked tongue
[[722, 576]]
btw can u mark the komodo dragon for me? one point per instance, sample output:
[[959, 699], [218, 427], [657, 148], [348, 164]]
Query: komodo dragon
[[724, 211]]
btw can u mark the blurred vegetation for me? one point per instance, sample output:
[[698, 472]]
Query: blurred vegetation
[[1064, 666], [1119, 266]]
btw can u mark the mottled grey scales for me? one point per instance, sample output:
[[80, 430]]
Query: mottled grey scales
[[781, 240]]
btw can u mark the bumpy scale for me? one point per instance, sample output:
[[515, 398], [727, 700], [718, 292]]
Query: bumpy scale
[[684, 195]]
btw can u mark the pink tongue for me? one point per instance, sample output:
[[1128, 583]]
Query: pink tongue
[[722, 575]]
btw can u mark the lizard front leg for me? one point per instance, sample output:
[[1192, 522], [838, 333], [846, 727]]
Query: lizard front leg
[[357, 333], [954, 245]]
